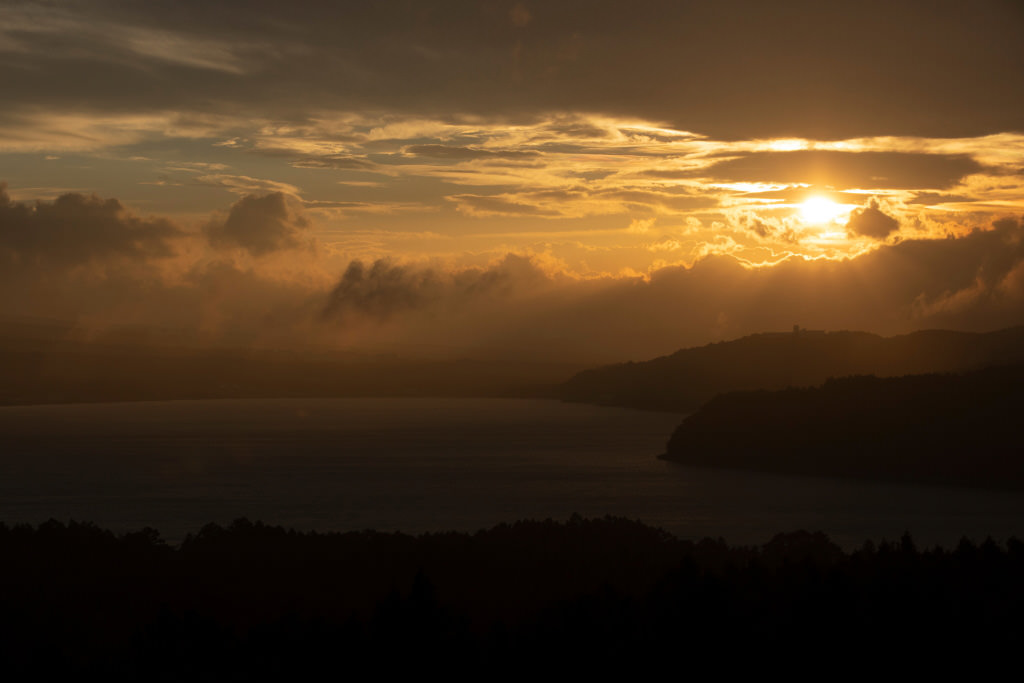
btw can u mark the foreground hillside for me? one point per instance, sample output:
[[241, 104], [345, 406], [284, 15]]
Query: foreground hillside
[[948, 429], [611, 596], [686, 379]]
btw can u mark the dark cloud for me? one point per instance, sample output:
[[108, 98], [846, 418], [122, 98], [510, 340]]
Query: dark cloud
[[971, 282], [76, 229], [261, 224], [383, 289], [513, 275], [880, 170], [732, 69], [930, 198], [759, 228], [871, 221]]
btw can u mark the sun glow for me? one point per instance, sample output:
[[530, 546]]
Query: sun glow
[[787, 145], [818, 210]]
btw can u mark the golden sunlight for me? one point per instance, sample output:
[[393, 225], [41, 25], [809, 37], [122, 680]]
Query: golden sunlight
[[817, 210]]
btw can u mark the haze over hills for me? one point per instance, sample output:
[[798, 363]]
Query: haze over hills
[[687, 378], [48, 361]]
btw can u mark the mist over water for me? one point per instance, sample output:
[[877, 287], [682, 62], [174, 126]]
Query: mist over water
[[418, 465]]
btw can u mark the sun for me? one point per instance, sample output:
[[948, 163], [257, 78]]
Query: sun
[[817, 210]]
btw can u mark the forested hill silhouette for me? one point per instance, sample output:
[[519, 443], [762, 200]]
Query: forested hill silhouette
[[687, 378], [253, 602], [945, 429]]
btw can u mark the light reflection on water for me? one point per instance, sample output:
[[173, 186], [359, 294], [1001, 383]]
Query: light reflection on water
[[429, 465]]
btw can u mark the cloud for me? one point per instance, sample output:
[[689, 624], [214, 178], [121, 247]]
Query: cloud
[[798, 193], [846, 170], [930, 198], [34, 129], [383, 289], [524, 305], [574, 201], [484, 206], [261, 224], [769, 228], [870, 221], [475, 58], [466, 153], [970, 282], [77, 229], [640, 227], [242, 184], [331, 162], [674, 201]]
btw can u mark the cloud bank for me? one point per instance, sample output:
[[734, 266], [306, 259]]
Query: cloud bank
[[696, 65], [91, 260]]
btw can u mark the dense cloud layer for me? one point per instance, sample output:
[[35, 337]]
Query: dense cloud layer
[[973, 282], [525, 306], [732, 69], [848, 169]]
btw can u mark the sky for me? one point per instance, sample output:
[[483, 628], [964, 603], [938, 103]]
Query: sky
[[590, 180]]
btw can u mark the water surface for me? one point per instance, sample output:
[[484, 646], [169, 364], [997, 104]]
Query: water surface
[[415, 465]]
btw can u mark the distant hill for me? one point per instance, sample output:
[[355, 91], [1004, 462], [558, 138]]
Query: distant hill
[[44, 362], [946, 429], [686, 379]]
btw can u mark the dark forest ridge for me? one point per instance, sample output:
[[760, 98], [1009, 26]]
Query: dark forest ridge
[[257, 602], [961, 430], [687, 378]]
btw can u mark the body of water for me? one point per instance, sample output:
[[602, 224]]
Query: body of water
[[420, 465]]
